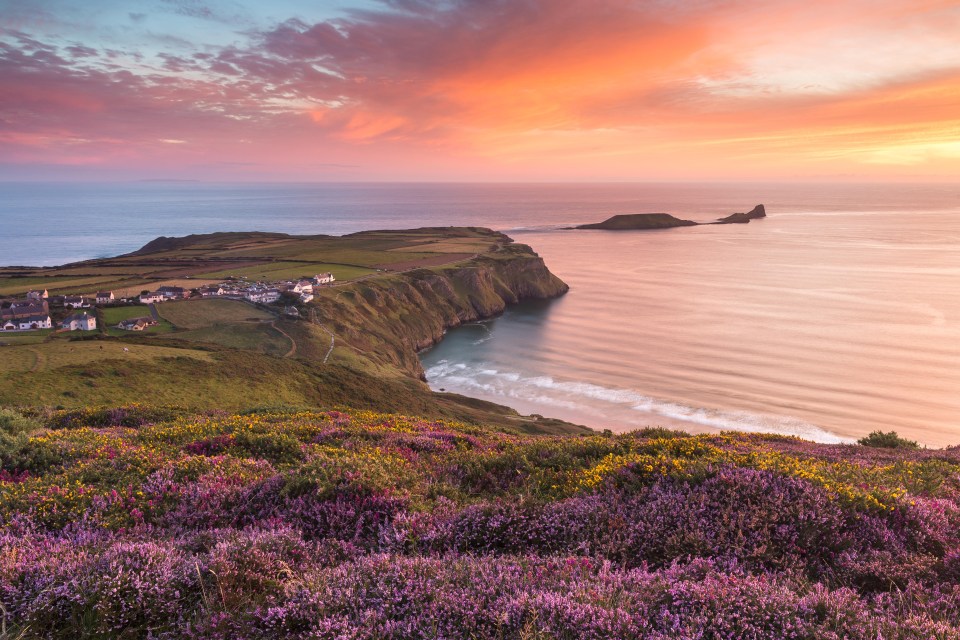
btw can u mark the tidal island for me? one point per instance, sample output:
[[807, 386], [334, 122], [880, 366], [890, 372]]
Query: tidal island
[[648, 221]]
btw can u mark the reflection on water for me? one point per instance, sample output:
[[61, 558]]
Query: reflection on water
[[822, 326]]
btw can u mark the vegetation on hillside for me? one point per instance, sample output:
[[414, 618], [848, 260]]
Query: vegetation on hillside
[[140, 522], [355, 344]]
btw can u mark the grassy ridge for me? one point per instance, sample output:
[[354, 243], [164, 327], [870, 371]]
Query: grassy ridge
[[143, 522]]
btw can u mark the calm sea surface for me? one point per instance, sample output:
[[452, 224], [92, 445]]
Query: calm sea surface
[[837, 315]]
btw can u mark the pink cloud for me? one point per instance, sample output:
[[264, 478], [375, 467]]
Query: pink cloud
[[466, 88]]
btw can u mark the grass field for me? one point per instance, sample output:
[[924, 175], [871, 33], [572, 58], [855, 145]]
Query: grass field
[[248, 336], [291, 271], [53, 355], [196, 314], [113, 315], [22, 337], [16, 286]]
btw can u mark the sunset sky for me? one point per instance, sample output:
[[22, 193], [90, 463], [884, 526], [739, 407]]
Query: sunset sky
[[478, 90]]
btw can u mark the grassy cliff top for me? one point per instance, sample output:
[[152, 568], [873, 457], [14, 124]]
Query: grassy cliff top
[[140, 521], [195, 260], [356, 343]]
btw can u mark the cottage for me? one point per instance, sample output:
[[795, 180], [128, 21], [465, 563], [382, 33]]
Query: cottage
[[105, 297], [151, 297], [75, 302], [79, 322], [211, 292], [262, 296], [172, 293], [38, 295], [136, 324], [323, 278], [304, 286], [33, 323], [306, 297]]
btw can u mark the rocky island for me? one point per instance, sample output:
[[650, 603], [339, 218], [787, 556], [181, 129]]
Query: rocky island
[[638, 221], [647, 221]]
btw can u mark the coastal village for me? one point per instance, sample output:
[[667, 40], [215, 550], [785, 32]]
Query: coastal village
[[39, 311]]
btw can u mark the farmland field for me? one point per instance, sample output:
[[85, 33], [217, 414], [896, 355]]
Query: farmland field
[[195, 314], [52, 355]]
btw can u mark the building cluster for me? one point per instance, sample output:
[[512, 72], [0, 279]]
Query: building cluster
[[26, 314], [268, 292], [32, 313]]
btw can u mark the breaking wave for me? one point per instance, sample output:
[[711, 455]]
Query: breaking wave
[[585, 397]]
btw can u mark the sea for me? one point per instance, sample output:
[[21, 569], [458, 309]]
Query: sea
[[835, 316]]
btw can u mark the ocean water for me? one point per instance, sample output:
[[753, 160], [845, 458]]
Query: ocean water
[[836, 315]]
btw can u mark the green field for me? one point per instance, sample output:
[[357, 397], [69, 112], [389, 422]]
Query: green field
[[53, 355], [14, 286], [24, 337], [257, 337], [290, 271], [113, 315], [195, 314]]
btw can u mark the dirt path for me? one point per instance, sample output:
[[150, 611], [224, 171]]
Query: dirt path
[[39, 361], [293, 343]]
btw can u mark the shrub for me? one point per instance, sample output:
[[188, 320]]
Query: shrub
[[888, 440]]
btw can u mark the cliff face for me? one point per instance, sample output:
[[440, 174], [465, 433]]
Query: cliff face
[[389, 319]]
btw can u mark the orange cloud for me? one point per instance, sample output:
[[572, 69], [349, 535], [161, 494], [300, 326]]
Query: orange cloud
[[581, 89]]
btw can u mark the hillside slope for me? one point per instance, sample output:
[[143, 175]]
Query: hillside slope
[[355, 344], [137, 523]]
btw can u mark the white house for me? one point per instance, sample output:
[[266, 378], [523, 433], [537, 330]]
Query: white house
[[34, 322], [104, 297], [323, 278], [151, 297], [263, 296], [74, 302], [172, 293], [211, 292], [306, 297], [79, 322], [304, 286]]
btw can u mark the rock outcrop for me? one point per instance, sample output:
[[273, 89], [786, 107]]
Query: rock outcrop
[[742, 218], [639, 221]]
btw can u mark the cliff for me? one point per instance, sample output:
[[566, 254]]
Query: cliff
[[639, 221], [388, 319]]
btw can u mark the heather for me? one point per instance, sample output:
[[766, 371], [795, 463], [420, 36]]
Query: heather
[[141, 522]]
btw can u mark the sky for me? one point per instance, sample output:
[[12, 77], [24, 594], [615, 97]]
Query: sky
[[480, 90]]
